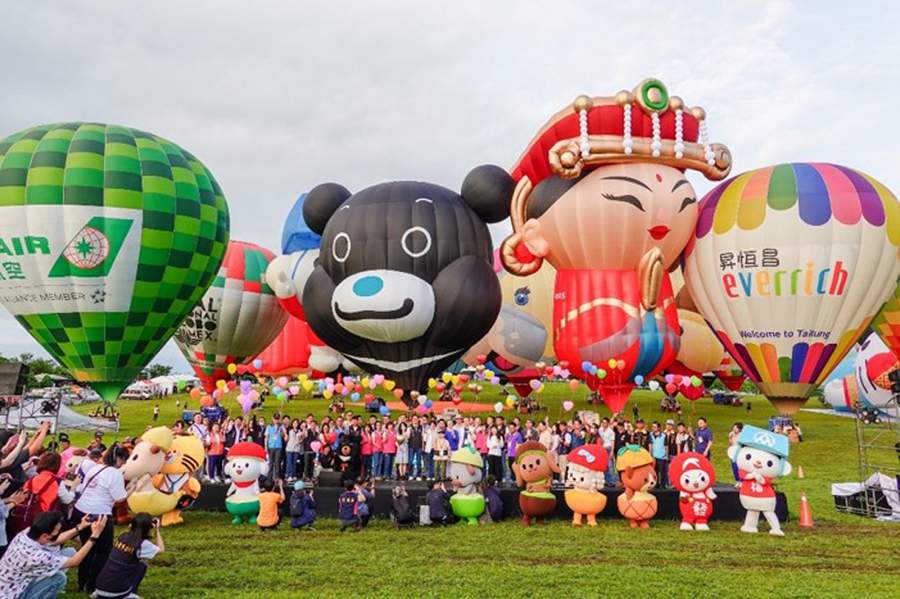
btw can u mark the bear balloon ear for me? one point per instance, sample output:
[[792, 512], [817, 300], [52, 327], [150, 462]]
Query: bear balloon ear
[[488, 191], [321, 202]]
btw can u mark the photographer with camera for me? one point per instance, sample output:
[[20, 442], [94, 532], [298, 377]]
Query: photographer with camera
[[127, 563]]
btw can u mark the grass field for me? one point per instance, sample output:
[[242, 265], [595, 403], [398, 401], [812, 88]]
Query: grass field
[[842, 555]]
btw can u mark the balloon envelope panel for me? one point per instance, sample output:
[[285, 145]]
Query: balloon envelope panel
[[887, 323], [790, 263], [237, 318], [108, 237]]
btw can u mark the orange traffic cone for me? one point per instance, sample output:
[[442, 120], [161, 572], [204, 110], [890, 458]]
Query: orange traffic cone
[[806, 520], [800, 472]]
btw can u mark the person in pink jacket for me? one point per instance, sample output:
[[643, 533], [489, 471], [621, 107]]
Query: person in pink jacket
[[389, 448], [377, 450], [481, 444], [366, 450]]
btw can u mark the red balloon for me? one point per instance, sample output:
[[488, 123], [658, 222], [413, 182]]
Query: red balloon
[[288, 354], [481, 358], [563, 364], [457, 399], [368, 397], [671, 388], [464, 378], [458, 388], [691, 392]]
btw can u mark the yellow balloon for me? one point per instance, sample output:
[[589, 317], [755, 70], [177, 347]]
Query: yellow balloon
[[307, 385], [365, 381], [327, 393], [389, 385], [488, 375], [432, 383], [510, 400], [446, 377], [612, 363], [455, 379], [220, 384], [302, 377], [231, 368]]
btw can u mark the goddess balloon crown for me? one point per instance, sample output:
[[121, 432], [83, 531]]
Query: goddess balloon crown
[[642, 125]]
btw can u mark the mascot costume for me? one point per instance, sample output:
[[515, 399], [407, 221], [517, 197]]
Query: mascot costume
[[585, 470], [466, 471], [246, 464], [761, 457], [534, 468], [693, 476], [636, 470]]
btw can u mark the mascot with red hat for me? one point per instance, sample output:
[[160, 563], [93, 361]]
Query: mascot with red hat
[[693, 475], [601, 195], [585, 473]]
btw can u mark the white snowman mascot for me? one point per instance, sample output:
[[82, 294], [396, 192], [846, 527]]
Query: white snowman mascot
[[246, 464], [761, 457]]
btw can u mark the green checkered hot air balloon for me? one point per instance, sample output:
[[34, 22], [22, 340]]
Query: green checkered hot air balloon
[[108, 238]]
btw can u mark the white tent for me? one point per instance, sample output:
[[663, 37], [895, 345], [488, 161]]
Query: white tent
[[32, 411]]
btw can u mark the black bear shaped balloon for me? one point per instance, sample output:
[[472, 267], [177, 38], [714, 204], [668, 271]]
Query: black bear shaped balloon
[[404, 283]]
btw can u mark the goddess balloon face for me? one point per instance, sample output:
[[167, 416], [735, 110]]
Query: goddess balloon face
[[612, 217]]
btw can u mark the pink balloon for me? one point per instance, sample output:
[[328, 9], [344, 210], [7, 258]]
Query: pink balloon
[[568, 405], [670, 378], [282, 381], [315, 445], [294, 389], [254, 394]]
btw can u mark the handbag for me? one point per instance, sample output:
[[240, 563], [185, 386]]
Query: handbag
[[22, 515]]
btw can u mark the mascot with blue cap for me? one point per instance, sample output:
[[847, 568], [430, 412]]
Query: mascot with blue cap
[[761, 457]]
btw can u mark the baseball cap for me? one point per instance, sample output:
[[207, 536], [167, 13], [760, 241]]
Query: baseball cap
[[670, 421], [299, 485], [63, 438]]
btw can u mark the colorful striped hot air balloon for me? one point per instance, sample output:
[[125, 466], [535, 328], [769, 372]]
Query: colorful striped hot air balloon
[[789, 264], [237, 318], [887, 323]]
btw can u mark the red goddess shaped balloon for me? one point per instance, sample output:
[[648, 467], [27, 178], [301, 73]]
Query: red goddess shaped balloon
[[601, 195]]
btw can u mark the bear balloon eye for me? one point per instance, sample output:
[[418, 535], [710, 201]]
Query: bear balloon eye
[[416, 241], [769, 463], [748, 457], [340, 247]]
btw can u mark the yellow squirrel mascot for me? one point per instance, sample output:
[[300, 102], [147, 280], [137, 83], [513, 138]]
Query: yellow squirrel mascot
[[176, 481]]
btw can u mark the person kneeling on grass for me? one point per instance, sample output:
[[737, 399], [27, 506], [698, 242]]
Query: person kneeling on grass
[[438, 500], [127, 563], [269, 501], [303, 508], [348, 508], [34, 565]]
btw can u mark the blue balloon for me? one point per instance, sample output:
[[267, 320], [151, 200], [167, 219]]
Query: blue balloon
[[384, 410], [586, 366], [322, 385], [428, 403], [354, 396], [638, 379], [296, 236], [593, 370]]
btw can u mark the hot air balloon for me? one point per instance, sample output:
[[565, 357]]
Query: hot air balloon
[[790, 264], [288, 354], [516, 336], [602, 197], [869, 386], [533, 295], [108, 237], [404, 285], [287, 274], [887, 323], [730, 374], [237, 318]]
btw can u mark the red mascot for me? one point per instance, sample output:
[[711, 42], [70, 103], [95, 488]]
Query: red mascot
[[693, 475]]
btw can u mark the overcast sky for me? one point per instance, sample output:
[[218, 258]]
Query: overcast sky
[[278, 97]]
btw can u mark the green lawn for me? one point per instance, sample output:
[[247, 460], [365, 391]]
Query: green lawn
[[842, 555]]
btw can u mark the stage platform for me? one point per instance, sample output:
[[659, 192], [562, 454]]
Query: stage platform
[[726, 506]]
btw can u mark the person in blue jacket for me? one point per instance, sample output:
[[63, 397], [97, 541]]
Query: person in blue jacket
[[303, 508]]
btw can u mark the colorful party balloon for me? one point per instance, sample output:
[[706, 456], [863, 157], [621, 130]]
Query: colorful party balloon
[[790, 264], [108, 238], [237, 318]]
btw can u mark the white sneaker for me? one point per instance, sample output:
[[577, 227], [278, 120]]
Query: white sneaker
[[687, 526], [749, 529], [776, 532], [701, 527]]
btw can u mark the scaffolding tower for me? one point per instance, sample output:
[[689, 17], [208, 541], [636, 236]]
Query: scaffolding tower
[[878, 440]]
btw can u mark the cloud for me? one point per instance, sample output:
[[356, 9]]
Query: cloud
[[277, 97]]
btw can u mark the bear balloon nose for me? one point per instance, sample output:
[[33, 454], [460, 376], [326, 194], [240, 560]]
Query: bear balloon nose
[[368, 286]]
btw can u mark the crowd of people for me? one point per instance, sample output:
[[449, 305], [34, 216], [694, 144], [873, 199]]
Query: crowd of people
[[46, 505], [419, 447]]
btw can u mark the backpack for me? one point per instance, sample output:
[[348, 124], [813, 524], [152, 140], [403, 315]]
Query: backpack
[[494, 503], [297, 504], [22, 515], [402, 512]]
